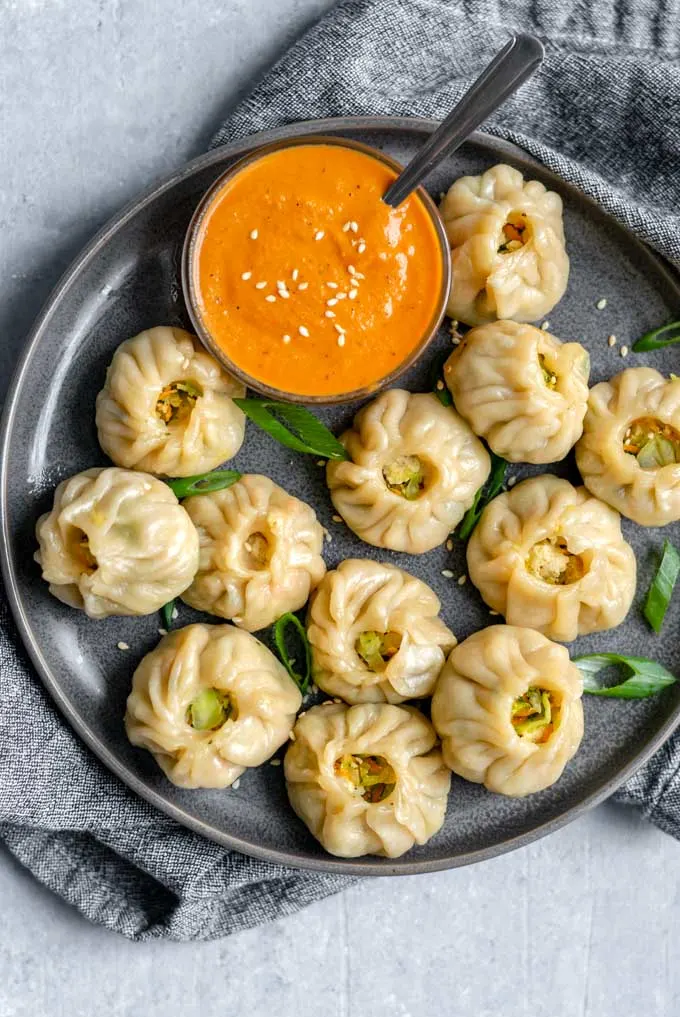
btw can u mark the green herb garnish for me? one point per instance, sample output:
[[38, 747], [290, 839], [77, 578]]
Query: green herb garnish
[[485, 494], [532, 715], [167, 612], [281, 631], [203, 483], [437, 383], [658, 338], [376, 649], [372, 775], [644, 677], [661, 590], [209, 710], [304, 432]]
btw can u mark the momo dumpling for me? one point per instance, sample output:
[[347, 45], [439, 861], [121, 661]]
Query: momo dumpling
[[209, 702], [507, 247], [260, 552], [375, 634], [413, 470], [507, 708], [551, 556], [520, 389], [167, 408], [629, 454], [367, 779], [116, 542]]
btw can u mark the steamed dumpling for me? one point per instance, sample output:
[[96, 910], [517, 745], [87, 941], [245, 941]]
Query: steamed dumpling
[[367, 779], [376, 634], [629, 454], [520, 389], [260, 552], [507, 708], [209, 702], [507, 247], [552, 557], [413, 470], [166, 406], [116, 542]]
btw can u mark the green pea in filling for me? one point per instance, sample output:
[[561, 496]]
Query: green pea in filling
[[371, 774], [535, 715], [177, 400], [652, 442], [405, 476], [376, 649], [210, 709]]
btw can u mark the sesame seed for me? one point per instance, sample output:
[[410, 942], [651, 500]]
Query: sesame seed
[[175, 614], [494, 613], [332, 285], [362, 247], [462, 580], [319, 235], [351, 269], [354, 227], [545, 326], [275, 762], [611, 340], [246, 275], [447, 573], [271, 298], [353, 294], [294, 274], [449, 545], [162, 632], [341, 296], [512, 481], [286, 339], [332, 302], [328, 537], [440, 385], [280, 284], [336, 519], [260, 285], [624, 351], [321, 462], [601, 304], [303, 331], [236, 783], [347, 227], [341, 340], [254, 234], [123, 646], [284, 294], [359, 275], [339, 328], [303, 286], [329, 314]]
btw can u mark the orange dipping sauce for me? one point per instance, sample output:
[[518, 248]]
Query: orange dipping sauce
[[309, 283]]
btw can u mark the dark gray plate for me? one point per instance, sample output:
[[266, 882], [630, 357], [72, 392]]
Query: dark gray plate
[[126, 280]]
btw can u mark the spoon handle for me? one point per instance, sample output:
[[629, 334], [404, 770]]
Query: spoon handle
[[509, 69]]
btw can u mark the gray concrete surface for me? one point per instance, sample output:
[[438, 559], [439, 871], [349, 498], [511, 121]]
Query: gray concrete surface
[[97, 99]]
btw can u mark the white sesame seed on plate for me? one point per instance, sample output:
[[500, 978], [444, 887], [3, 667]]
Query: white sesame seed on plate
[[236, 784], [462, 580], [123, 646], [260, 285], [319, 235], [353, 294], [303, 331], [624, 351], [611, 340], [329, 314], [447, 573], [321, 462], [545, 326], [286, 339], [332, 302], [254, 234], [341, 340], [162, 632], [512, 481], [275, 762], [246, 275], [303, 286], [332, 285], [601, 304], [494, 613], [440, 385], [271, 298], [175, 614], [336, 518], [449, 545]]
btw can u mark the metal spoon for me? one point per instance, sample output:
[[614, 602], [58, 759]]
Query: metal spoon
[[509, 69]]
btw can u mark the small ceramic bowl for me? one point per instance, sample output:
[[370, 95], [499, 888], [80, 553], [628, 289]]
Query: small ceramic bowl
[[190, 263]]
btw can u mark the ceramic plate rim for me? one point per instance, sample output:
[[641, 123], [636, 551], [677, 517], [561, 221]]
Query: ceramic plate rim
[[496, 146]]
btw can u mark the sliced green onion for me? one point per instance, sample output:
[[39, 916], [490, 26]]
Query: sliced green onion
[[484, 495], [658, 338], [282, 629], [661, 590], [643, 677], [437, 383], [167, 612], [203, 483], [304, 433]]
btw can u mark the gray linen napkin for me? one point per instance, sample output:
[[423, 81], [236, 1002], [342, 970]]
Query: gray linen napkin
[[604, 113]]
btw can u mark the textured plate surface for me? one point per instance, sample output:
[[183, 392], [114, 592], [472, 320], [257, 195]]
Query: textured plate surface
[[126, 280]]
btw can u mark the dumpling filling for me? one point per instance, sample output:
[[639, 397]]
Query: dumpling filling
[[535, 715], [79, 546], [376, 649], [549, 376], [405, 476], [257, 551], [372, 775], [551, 561], [515, 233], [177, 400], [209, 710], [653, 443]]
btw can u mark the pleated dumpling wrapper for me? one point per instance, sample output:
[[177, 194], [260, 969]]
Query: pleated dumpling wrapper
[[413, 470], [167, 407], [629, 454], [260, 552], [551, 556], [507, 708], [208, 702], [367, 779], [507, 247], [520, 389], [116, 542], [375, 634]]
